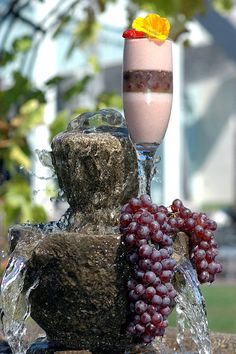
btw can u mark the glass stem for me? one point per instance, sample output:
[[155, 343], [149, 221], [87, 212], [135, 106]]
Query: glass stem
[[146, 166]]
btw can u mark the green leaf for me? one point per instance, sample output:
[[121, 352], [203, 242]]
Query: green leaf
[[55, 80], [19, 93], [64, 20], [31, 107], [109, 99], [6, 57], [16, 202], [94, 63], [82, 109], [16, 154], [22, 44], [59, 124], [223, 5], [20, 80], [85, 33], [16, 190], [38, 214], [32, 113], [172, 8]]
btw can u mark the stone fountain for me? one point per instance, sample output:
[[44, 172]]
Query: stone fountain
[[70, 276]]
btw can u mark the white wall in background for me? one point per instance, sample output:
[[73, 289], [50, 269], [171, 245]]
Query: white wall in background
[[173, 141], [45, 68]]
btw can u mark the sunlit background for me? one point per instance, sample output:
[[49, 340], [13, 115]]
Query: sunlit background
[[56, 61]]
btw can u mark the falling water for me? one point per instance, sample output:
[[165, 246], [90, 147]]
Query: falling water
[[15, 305], [14, 299], [190, 308], [45, 158], [147, 166]]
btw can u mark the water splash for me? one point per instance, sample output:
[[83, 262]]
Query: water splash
[[190, 308], [45, 158], [92, 121], [15, 305], [3, 255], [30, 173], [59, 196]]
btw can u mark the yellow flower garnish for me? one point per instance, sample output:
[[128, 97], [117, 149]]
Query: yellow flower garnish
[[153, 25]]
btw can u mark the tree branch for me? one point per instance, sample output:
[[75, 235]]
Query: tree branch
[[11, 23], [24, 19], [48, 29], [9, 10]]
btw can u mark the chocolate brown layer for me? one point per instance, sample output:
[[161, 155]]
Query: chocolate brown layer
[[148, 80]]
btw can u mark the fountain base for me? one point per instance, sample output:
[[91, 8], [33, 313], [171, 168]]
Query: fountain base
[[71, 276], [222, 343]]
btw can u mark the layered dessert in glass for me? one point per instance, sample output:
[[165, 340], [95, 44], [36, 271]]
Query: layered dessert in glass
[[147, 88]]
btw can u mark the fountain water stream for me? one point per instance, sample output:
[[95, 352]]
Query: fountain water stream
[[190, 308], [16, 306]]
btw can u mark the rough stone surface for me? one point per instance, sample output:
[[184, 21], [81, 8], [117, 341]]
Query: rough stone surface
[[95, 170], [80, 301]]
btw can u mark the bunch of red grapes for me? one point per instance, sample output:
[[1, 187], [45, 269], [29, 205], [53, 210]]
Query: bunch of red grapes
[[148, 231]]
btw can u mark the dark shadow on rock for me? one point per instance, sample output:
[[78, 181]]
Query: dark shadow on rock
[[4, 348]]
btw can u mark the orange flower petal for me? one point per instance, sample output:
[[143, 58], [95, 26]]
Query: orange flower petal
[[153, 25]]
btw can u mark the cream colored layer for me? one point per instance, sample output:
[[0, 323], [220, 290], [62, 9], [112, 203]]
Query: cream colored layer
[[147, 115], [147, 54]]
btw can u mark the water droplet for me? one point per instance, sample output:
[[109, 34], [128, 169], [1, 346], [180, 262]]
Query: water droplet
[[3, 254]]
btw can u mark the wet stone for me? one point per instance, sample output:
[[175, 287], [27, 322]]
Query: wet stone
[[96, 165], [97, 171], [223, 343], [80, 300]]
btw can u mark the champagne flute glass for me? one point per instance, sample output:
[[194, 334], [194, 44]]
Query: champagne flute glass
[[147, 100]]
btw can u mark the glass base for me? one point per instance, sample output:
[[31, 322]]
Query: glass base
[[147, 160]]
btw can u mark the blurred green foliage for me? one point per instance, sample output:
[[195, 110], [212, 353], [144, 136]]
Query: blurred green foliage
[[21, 110], [223, 5], [22, 104], [220, 306]]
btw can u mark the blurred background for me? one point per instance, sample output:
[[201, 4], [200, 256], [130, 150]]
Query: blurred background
[[61, 58]]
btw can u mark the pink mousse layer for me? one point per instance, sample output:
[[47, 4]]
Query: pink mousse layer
[[147, 115], [147, 54]]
